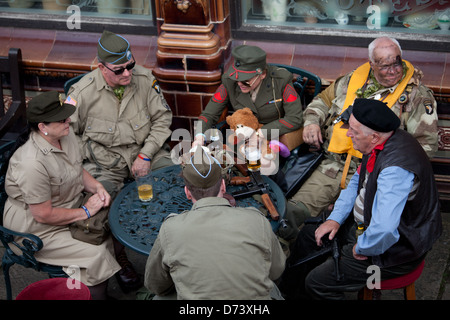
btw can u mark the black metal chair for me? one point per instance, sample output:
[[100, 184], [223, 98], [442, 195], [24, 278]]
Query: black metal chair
[[70, 82], [302, 80]]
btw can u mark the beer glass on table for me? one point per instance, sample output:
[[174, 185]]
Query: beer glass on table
[[144, 182]]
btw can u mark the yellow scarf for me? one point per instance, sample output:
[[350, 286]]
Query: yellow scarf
[[339, 142]]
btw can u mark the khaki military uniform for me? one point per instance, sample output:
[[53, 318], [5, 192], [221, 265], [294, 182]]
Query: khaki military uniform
[[416, 109], [215, 251], [276, 104], [112, 133], [39, 172]]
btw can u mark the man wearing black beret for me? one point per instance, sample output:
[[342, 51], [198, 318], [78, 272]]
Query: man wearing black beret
[[389, 212]]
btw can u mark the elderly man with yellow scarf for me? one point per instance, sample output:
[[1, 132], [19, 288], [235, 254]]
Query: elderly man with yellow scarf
[[385, 77]]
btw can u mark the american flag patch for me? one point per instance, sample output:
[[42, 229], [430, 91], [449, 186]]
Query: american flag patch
[[70, 100]]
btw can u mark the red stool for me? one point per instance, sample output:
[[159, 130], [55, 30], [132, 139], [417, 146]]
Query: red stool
[[55, 289], [405, 282]]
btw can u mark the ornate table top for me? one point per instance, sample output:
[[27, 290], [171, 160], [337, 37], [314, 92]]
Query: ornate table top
[[136, 224]]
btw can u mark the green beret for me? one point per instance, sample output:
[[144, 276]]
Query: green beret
[[375, 115], [113, 48], [249, 61], [48, 107], [202, 170]]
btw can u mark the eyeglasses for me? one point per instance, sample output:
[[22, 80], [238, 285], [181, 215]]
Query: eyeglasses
[[62, 121], [248, 83], [59, 121], [396, 65], [121, 70]]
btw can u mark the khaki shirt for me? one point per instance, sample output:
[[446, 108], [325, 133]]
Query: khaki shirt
[[111, 132], [215, 251], [277, 104], [418, 116], [38, 172]]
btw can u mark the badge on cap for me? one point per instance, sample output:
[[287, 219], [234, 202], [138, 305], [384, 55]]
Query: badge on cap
[[129, 55]]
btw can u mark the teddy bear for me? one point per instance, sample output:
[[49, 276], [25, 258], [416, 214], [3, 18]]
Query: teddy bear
[[246, 132]]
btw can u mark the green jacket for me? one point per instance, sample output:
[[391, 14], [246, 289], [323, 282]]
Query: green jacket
[[215, 251]]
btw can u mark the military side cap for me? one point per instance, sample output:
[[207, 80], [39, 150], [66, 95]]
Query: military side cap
[[48, 107], [202, 170], [113, 48], [249, 61], [375, 115]]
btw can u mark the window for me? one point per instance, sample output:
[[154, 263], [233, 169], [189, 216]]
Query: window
[[94, 15], [333, 20]]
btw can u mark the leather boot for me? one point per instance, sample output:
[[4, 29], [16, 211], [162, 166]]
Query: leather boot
[[128, 279]]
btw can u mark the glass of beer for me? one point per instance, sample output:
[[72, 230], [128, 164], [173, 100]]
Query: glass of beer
[[145, 186], [253, 158]]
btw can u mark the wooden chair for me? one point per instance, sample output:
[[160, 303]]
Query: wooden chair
[[405, 282], [12, 127]]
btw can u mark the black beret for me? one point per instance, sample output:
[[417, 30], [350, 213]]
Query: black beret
[[375, 115]]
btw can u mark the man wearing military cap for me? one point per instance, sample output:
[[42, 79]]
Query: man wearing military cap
[[209, 251], [266, 90], [122, 120], [389, 212]]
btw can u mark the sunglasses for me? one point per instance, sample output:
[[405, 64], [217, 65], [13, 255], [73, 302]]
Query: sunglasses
[[121, 70]]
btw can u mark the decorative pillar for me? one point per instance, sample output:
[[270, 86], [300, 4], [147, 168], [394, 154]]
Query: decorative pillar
[[193, 48]]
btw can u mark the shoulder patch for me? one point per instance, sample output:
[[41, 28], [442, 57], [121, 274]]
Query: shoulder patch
[[220, 95], [155, 85], [428, 107], [289, 94], [70, 100]]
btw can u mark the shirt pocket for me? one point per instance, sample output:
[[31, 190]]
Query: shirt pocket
[[100, 130], [140, 124]]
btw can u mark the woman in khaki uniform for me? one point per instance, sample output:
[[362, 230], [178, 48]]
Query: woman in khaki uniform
[[44, 183]]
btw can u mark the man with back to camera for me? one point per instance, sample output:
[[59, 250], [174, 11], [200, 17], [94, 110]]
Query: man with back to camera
[[214, 250]]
